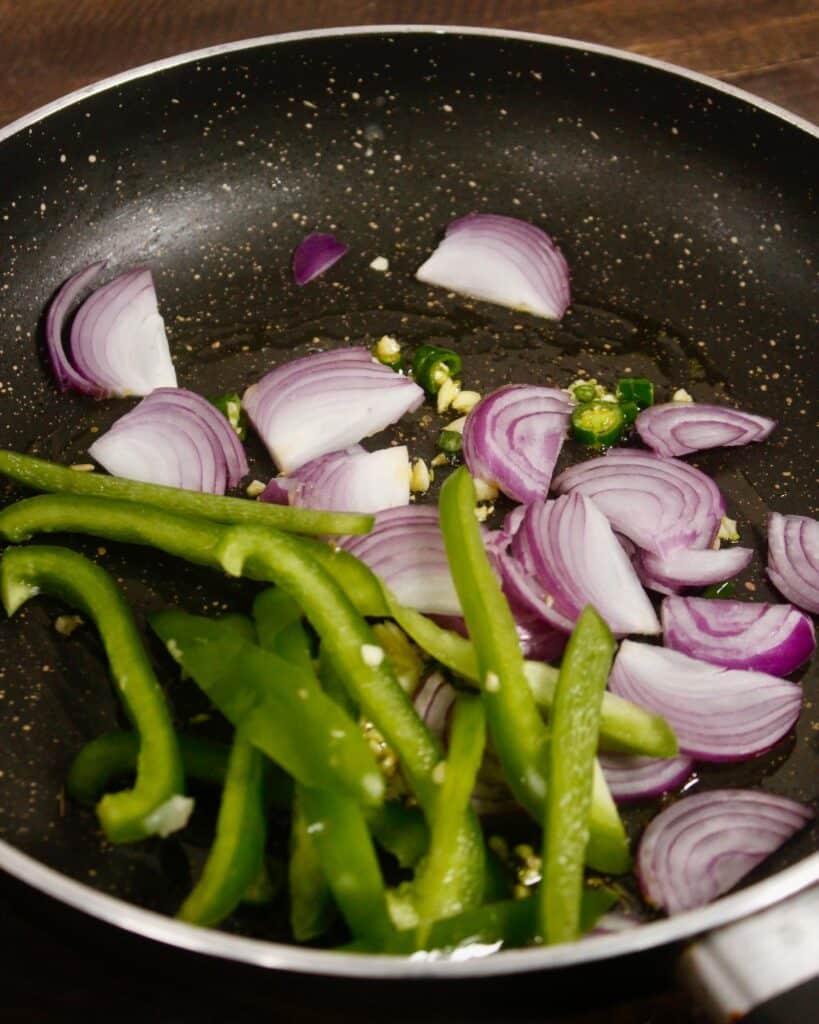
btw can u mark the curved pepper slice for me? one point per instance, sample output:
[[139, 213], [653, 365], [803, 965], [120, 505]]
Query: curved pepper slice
[[155, 804]]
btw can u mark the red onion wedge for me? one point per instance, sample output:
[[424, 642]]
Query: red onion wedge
[[702, 845], [350, 481], [315, 254], [773, 638], [406, 550], [793, 559], [644, 778], [502, 260], [326, 402], [718, 714], [677, 428], [660, 504], [512, 439], [686, 567], [118, 341], [569, 547], [173, 437]]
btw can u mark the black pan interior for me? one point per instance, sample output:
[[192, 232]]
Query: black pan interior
[[688, 217]]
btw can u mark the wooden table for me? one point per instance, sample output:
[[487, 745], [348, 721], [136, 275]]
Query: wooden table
[[48, 48]]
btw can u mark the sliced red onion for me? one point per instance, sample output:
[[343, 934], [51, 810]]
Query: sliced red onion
[[774, 638], [512, 438], [326, 402], [434, 701], [315, 254], [118, 341], [570, 548], [173, 437], [701, 846], [350, 481], [406, 550], [677, 428], [644, 778], [614, 922], [718, 714], [686, 567], [502, 260], [660, 504], [793, 559]]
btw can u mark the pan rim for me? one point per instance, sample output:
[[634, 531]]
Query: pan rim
[[280, 956]]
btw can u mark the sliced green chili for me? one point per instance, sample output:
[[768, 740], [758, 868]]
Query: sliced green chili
[[575, 724], [598, 424], [311, 901], [236, 859], [720, 591], [230, 406], [280, 708], [40, 475], [450, 442], [638, 390], [155, 803], [432, 365]]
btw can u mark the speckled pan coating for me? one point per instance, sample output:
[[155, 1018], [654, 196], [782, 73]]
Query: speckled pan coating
[[688, 218]]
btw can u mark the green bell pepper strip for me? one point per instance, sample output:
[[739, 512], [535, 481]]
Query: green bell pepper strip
[[467, 742], [575, 724], [40, 475], [638, 390], [349, 862], [625, 727], [281, 709], [598, 424], [236, 858], [506, 924], [153, 805], [432, 365], [311, 901]]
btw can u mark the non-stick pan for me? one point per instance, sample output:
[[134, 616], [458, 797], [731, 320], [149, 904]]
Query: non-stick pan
[[686, 209]]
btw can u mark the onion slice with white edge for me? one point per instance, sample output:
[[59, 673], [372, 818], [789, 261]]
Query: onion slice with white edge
[[661, 504], [686, 567], [570, 548], [118, 343], [326, 402], [644, 778], [173, 437], [315, 254], [512, 438], [434, 701], [793, 559], [718, 714], [405, 549], [677, 428], [773, 638], [701, 846], [354, 480], [502, 260]]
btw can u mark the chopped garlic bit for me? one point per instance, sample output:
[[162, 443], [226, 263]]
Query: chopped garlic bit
[[439, 773], [466, 401], [681, 395], [254, 488], [387, 349], [381, 264], [484, 490], [170, 816], [372, 655], [447, 393], [66, 624], [420, 478], [82, 467], [483, 512], [728, 529], [440, 460], [457, 425], [492, 682]]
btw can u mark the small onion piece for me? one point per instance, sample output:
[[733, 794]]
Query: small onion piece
[[570, 548], [718, 714], [315, 254], [502, 260], [644, 778], [118, 342], [173, 437], [350, 481], [793, 559], [677, 428], [773, 638], [660, 504], [686, 567], [434, 702], [326, 402], [513, 436], [701, 846]]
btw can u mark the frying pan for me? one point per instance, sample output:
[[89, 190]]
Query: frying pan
[[686, 210]]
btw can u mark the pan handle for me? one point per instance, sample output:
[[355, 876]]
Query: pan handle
[[763, 969]]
